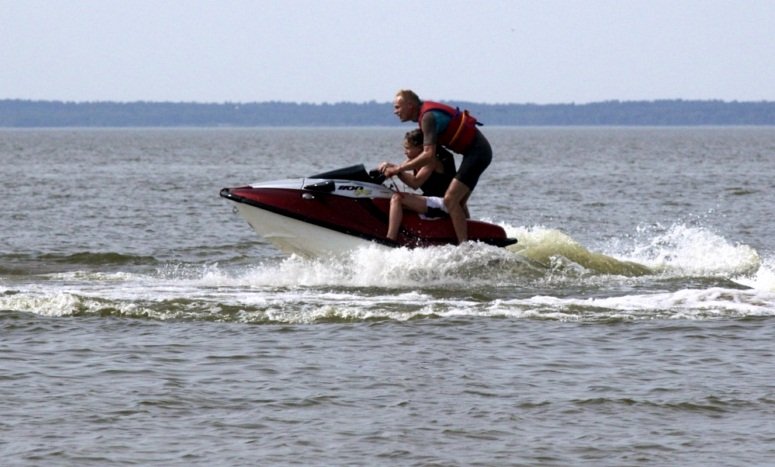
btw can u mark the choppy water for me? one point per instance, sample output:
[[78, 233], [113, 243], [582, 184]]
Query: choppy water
[[143, 322]]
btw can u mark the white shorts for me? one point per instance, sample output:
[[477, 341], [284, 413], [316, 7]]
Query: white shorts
[[436, 208], [435, 202]]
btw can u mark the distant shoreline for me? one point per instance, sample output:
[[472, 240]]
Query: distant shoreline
[[17, 113]]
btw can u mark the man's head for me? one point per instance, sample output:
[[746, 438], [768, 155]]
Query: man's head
[[406, 105]]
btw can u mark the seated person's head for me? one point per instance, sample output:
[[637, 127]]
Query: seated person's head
[[413, 143]]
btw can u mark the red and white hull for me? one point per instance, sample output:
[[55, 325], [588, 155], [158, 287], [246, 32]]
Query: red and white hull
[[319, 216]]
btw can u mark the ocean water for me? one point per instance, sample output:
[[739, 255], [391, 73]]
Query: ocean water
[[142, 322]]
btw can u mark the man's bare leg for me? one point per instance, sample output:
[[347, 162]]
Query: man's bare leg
[[455, 194], [464, 203]]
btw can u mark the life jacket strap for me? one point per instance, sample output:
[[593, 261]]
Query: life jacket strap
[[459, 128]]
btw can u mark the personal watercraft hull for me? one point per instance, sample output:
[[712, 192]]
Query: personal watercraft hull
[[296, 236], [321, 215]]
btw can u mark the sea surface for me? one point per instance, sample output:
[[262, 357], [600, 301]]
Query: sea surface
[[143, 322]]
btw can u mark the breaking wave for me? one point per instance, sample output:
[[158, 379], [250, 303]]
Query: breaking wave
[[678, 273]]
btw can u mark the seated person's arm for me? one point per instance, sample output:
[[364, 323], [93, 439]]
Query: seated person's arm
[[425, 158], [415, 180]]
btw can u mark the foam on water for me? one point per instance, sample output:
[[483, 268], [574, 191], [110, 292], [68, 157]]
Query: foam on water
[[313, 306], [681, 251], [708, 303], [694, 251], [400, 284], [371, 267], [762, 279], [546, 247]]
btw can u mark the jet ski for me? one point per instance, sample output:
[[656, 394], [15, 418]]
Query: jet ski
[[341, 210]]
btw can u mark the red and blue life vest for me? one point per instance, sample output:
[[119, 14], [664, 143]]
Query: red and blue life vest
[[461, 130]]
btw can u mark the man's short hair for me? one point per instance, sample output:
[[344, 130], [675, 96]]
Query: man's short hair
[[409, 96]]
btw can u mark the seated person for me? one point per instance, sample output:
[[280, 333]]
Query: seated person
[[432, 178]]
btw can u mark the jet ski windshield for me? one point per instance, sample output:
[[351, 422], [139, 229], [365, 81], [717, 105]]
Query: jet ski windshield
[[356, 173]]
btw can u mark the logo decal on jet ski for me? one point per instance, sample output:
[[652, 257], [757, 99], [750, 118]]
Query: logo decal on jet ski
[[357, 190]]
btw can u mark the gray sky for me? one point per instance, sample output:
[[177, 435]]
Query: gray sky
[[492, 51]]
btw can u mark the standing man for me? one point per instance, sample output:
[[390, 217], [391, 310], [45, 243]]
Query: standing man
[[455, 130]]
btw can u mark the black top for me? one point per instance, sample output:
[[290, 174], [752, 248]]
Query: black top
[[437, 183]]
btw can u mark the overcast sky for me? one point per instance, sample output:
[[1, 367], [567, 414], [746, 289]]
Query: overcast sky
[[490, 51]]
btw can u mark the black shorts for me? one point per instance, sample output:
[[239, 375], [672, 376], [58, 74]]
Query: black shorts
[[475, 161]]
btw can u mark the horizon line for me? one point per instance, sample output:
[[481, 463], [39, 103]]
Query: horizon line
[[608, 101]]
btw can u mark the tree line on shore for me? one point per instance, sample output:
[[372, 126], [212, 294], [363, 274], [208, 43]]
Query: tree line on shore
[[17, 113]]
